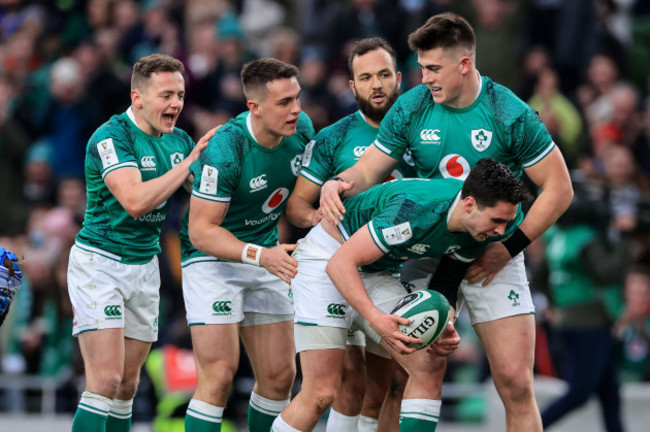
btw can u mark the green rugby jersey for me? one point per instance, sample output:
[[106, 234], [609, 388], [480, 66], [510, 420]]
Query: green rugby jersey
[[407, 218], [255, 180], [447, 142], [338, 147], [107, 228]]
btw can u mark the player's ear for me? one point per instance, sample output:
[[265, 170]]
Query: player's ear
[[465, 63], [399, 79], [136, 98], [352, 87], [469, 203], [253, 106]]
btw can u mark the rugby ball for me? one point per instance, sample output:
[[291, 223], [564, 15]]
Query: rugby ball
[[429, 313]]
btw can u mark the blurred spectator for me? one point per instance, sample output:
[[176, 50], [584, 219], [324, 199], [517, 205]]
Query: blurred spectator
[[584, 272], [13, 147], [70, 118], [561, 118], [39, 186], [359, 19]]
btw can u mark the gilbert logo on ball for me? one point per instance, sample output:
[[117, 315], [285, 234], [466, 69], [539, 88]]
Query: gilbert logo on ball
[[428, 312]]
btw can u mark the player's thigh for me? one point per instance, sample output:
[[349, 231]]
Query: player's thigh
[[103, 355], [216, 350], [379, 370], [270, 347], [321, 370], [135, 354], [510, 347]]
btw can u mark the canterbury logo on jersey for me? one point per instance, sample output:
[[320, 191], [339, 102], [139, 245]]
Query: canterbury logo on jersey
[[148, 162], [336, 310], [222, 307], [258, 183], [430, 136], [419, 248], [113, 312], [359, 151]]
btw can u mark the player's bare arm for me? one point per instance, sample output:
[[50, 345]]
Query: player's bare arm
[[343, 270], [300, 206], [208, 236], [373, 167], [552, 177], [139, 198]]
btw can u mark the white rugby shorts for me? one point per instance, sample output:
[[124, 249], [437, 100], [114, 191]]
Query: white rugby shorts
[[220, 292], [109, 294]]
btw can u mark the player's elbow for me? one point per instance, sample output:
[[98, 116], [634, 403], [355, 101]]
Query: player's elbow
[[567, 195], [136, 209], [195, 238]]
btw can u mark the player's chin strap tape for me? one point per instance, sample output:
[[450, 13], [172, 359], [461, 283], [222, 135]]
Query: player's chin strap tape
[[516, 242], [447, 278], [251, 254]]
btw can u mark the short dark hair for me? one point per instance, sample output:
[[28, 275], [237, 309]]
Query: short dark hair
[[490, 182], [364, 46], [446, 30], [256, 74], [151, 64]]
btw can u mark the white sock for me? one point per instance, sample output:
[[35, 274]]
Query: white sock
[[367, 424], [268, 406], [279, 425], [96, 403], [205, 411], [121, 409], [422, 409], [338, 422]]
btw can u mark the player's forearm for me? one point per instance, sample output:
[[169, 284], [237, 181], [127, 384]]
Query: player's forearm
[[144, 197], [546, 209], [300, 212], [216, 241], [363, 176], [347, 280]]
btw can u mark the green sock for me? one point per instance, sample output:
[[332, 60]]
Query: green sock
[[119, 417], [262, 412], [91, 413], [203, 417], [419, 415]]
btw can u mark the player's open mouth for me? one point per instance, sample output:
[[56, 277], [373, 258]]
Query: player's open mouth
[[292, 122], [169, 118], [435, 90], [378, 98]]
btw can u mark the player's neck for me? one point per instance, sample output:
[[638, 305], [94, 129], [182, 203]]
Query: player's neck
[[470, 91], [264, 137]]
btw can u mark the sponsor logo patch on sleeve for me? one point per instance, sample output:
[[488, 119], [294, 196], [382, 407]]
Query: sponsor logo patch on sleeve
[[397, 234], [307, 154], [107, 153], [209, 178]]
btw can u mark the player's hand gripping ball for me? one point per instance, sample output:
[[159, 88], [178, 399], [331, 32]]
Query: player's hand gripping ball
[[11, 277], [429, 313]]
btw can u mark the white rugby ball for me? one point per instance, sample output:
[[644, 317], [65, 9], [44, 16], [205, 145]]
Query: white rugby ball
[[429, 313]]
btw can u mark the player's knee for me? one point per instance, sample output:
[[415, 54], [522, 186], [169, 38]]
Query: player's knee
[[324, 398], [353, 386], [128, 388], [515, 386], [279, 380], [106, 384]]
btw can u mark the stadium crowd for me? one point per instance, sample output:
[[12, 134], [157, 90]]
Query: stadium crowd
[[583, 65]]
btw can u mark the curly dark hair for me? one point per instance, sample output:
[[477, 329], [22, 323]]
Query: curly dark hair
[[490, 182]]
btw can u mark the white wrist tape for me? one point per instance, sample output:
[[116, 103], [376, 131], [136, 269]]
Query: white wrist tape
[[251, 254]]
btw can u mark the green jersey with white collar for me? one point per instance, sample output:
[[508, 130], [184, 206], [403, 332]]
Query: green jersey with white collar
[[407, 218], [107, 228], [256, 181]]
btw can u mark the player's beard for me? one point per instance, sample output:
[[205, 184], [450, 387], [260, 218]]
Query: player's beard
[[373, 112]]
